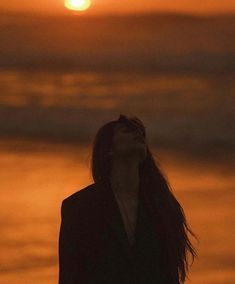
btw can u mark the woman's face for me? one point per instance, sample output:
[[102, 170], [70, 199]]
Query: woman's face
[[129, 141]]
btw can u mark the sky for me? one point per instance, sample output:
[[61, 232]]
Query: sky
[[123, 6]]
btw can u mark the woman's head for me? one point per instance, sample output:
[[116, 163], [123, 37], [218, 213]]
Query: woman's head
[[129, 140], [119, 137]]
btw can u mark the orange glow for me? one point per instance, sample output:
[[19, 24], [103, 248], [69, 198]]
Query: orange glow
[[130, 6], [77, 5]]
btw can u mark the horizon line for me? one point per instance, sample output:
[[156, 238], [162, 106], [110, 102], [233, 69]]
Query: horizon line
[[67, 13]]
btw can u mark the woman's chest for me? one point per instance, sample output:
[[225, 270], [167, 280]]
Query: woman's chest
[[129, 212]]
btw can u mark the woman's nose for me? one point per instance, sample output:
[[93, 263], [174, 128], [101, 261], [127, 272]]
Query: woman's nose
[[138, 134]]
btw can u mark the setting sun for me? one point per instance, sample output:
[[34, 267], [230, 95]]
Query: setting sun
[[78, 5]]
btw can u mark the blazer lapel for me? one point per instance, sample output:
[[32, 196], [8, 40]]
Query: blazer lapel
[[113, 218]]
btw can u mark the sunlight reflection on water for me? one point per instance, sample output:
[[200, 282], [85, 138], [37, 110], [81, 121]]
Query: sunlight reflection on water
[[35, 181]]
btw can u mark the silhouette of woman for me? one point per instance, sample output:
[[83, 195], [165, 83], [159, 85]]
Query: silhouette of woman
[[126, 227]]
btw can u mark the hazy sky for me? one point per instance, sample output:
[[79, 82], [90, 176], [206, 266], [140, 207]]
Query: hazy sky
[[104, 6]]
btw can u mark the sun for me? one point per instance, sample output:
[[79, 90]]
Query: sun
[[77, 5]]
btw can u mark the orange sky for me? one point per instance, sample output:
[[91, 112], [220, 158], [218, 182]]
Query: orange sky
[[104, 6]]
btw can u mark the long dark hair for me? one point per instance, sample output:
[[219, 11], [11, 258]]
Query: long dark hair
[[170, 221]]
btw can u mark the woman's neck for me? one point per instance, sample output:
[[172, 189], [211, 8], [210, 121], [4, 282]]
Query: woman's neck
[[124, 177]]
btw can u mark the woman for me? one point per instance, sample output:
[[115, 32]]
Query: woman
[[127, 227]]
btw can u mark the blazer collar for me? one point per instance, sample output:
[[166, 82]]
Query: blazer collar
[[113, 218]]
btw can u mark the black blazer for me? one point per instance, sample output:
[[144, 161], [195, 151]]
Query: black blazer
[[94, 247]]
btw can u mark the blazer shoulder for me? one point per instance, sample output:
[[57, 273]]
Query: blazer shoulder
[[78, 199]]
